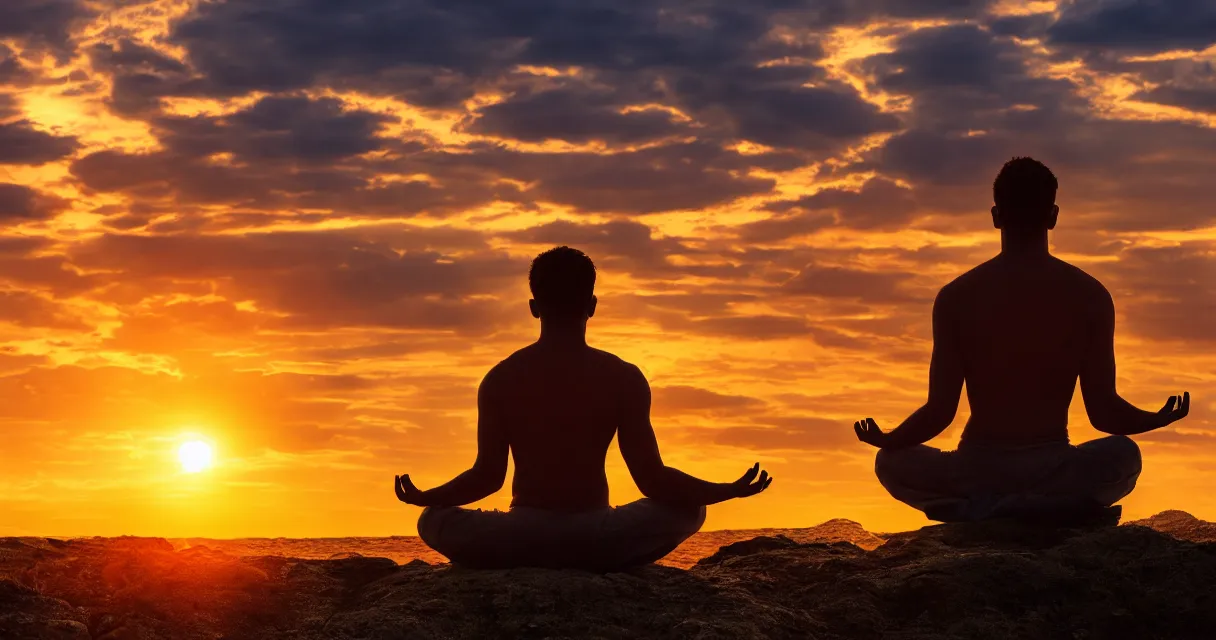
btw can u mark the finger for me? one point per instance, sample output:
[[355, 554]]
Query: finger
[[1169, 406], [857, 429], [763, 477], [750, 475], [770, 481], [871, 424], [1185, 407], [407, 483]]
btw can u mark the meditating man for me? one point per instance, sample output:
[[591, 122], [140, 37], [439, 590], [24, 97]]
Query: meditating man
[[556, 405], [1020, 329]]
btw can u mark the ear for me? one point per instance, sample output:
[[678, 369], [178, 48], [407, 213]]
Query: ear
[[1053, 217], [996, 217], [591, 306], [534, 308]]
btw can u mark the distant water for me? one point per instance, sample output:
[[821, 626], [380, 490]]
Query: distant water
[[402, 549]]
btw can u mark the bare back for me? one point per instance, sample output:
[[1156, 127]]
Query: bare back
[[1022, 329], [559, 410]]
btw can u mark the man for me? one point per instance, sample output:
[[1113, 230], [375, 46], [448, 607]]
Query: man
[[1020, 329], [556, 405]]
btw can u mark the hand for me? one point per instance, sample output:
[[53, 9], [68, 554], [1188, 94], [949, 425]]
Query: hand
[[868, 432], [1175, 409], [406, 491], [744, 486]]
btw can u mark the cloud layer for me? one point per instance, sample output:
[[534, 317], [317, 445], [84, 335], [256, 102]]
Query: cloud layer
[[301, 229]]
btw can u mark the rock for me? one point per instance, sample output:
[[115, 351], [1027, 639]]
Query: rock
[[1181, 525], [980, 580], [26, 614]]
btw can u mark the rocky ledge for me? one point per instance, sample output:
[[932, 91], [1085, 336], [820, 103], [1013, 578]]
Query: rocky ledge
[[1154, 578]]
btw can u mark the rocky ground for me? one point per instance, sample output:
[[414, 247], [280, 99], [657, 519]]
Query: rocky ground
[[1155, 578]]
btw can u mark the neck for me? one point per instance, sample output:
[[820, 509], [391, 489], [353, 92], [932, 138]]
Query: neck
[[565, 334], [1025, 243]]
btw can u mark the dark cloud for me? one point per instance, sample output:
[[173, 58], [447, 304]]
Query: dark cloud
[[964, 79], [1193, 98], [1136, 26], [686, 175], [140, 75], [880, 202], [631, 247], [12, 69], [682, 399], [841, 282], [323, 279], [710, 59], [31, 310], [1167, 294], [574, 116], [975, 104], [42, 22], [8, 106], [1028, 26], [815, 118], [21, 143], [1190, 85], [277, 128], [19, 202]]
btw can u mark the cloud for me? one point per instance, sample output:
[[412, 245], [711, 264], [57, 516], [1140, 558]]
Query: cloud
[[1137, 26], [840, 282], [41, 22], [21, 143], [980, 105], [575, 116], [682, 399], [674, 176], [1189, 85], [322, 279], [277, 128], [879, 203], [19, 202], [1168, 294]]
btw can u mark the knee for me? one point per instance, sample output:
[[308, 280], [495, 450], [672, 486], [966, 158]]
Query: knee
[[684, 519], [887, 465], [429, 525], [696, 519], [1126, 452]]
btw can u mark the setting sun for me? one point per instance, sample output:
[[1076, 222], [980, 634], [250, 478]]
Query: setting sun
[[195, 456]]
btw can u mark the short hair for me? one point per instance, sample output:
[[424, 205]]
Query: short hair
[[1024, 190], [562, 279]]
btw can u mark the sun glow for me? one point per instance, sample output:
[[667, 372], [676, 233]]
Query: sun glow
[[195, 456]]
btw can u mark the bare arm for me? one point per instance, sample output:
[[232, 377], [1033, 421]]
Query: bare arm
[[640, 449], [1108, 411], [945, 388], [488, 472]]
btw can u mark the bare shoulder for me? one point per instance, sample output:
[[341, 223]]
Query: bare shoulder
[[948, 296], [617, 368], [1084, 285], [501, 372]]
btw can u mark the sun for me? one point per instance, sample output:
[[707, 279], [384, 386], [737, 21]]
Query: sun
[[194, 455]]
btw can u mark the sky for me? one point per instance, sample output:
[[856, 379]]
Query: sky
[[299, 231]]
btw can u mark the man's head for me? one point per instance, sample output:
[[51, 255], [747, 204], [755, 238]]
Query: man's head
[[563, 285], [1025, 197]]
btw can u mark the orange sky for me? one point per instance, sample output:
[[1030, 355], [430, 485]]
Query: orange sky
[[301, 233]]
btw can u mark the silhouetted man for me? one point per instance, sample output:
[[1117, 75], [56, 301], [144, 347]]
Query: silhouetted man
[[1020, 329], [556, 405]]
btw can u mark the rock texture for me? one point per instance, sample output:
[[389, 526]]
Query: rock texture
[[1181, 525], [990, 580]]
